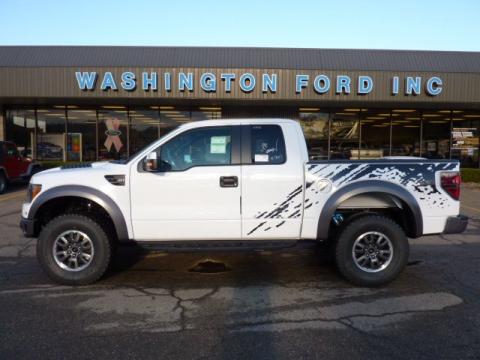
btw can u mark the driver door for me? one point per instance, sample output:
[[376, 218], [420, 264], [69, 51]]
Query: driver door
[[195, 192]]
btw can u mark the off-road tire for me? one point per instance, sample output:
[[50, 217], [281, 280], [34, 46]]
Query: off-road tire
[[371, 223], [3, 182], [101, 244]]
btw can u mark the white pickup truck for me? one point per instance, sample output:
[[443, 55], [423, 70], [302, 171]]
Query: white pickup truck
[[244, 183]]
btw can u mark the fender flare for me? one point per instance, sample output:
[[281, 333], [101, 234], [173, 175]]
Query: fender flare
[[368, 186], [89, 193]]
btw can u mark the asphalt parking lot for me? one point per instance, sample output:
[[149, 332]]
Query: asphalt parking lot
[[287, 303]]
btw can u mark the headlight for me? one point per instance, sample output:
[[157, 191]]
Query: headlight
[[33, 191]]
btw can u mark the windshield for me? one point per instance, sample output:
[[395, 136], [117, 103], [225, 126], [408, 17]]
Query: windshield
[[132, 156]]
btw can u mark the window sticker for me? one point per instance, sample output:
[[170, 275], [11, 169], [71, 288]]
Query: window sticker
[[218, 145], [261, 158], [187, 158]]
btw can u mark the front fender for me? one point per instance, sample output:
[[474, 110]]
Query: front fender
[[85, 192]]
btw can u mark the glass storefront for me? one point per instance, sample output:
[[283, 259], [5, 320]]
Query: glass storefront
[[144, 128], [20, 128], [113, 133], [315, 125], [436, 134], [465, 137], [406, 132], [73, 133], [351, 133], [81, 135], [375, 134], [344, 134], [51, 130]]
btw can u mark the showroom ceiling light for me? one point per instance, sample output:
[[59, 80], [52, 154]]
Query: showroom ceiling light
[[307, 109], [208, 108]]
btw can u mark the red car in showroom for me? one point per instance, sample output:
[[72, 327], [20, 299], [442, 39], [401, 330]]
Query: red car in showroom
[[13, 166]]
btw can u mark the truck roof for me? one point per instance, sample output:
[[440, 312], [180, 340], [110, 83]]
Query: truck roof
[[250, 121]]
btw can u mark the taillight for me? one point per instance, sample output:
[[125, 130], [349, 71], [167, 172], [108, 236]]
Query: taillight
[[450, 182]]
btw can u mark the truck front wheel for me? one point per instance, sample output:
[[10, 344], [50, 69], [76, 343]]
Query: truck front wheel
[[74, 250], [371, 250]]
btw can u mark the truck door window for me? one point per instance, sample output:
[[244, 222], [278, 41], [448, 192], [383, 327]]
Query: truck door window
[[268, 145], [209, 146]]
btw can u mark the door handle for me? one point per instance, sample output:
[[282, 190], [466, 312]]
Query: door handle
[[228, 181]]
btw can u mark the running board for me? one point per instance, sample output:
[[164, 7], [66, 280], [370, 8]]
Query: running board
[[222, 245]]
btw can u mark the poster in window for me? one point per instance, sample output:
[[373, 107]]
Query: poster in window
[[74, 146], [50, 146], [465, 138]]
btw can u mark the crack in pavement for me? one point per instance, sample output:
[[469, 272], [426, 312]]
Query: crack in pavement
[[374, 342], [179, 305], [245, 309], [283, 323]]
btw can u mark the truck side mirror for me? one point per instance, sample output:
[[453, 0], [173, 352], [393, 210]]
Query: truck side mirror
[[151, 163]]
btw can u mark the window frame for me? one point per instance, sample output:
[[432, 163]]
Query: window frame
[[235, 149]]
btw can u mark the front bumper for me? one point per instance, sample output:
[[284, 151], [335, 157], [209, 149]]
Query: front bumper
[[456, 224], [28, 227]]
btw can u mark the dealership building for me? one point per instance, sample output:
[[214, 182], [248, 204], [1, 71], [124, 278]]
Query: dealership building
[[89, 103]]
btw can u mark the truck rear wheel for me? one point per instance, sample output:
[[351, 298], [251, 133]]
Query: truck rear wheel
[[74, 250], [371, 251]]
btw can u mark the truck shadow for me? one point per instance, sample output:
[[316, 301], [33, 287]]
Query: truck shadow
[[131, 264]]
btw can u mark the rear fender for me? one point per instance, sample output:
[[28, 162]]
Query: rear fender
[[363, 187]]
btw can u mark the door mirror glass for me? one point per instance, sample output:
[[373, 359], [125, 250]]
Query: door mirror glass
[[151, 162]]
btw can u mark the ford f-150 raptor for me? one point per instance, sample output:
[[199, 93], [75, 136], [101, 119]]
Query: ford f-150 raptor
[[242, 182]]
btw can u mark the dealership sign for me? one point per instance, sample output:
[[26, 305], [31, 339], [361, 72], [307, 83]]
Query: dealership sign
[[248, 82]]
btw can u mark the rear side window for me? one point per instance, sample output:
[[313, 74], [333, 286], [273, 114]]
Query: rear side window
[[268, 145]]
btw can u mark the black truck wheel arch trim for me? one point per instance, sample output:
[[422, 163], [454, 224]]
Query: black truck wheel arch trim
[[87, 193], [368, 186]]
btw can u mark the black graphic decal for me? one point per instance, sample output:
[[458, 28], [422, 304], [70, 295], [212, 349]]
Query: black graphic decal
[[280, 210], [418, 177], [256, 228], [294, 214]]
